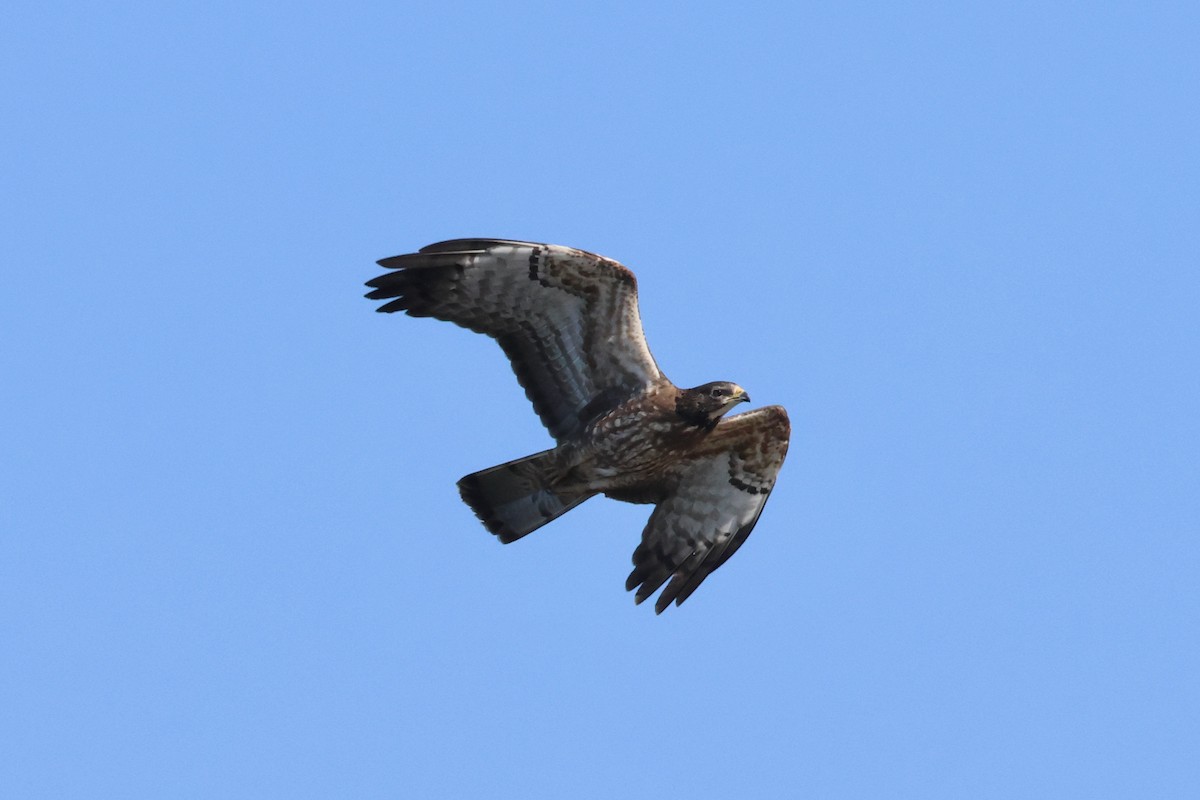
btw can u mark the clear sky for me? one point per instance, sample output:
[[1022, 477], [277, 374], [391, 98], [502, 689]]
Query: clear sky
[[959, 242]]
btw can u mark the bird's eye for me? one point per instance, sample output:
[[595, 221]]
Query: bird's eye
[[718, 392]]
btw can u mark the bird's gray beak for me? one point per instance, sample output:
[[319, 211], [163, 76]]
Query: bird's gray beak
[[745, 398]]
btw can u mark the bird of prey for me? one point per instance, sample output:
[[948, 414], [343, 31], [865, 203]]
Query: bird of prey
[[568, 321]]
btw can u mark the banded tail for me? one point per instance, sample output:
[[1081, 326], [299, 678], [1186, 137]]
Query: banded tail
[[516, 498]]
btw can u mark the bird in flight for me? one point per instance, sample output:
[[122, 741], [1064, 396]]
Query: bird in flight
[[568, 321]]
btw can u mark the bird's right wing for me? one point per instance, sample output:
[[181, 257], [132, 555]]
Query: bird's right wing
[[567, 319]]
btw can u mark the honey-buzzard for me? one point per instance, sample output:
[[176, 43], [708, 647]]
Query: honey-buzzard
[[568, 321]]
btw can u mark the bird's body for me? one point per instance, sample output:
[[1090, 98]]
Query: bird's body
[[568, 320], [631, 445]]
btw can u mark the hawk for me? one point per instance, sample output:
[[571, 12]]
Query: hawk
[[568, 321]]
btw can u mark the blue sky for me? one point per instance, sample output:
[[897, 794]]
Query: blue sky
[[959, 244]]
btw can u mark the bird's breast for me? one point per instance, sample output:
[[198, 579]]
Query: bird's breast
[[633, 446]]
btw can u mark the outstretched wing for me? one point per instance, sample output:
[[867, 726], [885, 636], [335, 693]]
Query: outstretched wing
[[567, 319], [713, 503]]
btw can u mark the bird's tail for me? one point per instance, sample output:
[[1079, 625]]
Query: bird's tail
[[517, 498]]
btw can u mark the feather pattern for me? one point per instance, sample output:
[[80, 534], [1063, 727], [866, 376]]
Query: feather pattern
[[715, 500], [567, 319]]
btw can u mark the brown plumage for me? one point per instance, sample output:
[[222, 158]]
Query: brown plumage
[[568, 321]]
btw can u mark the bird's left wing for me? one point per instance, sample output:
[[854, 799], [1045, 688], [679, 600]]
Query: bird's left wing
[[567, 319], [712, 505]]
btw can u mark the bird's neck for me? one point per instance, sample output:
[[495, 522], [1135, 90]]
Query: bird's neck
[[689, 408]]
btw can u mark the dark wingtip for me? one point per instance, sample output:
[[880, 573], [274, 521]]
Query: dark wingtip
[[395, 305], [642, 596]]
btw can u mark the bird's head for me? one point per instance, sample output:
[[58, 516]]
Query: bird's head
[[704, 405]]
